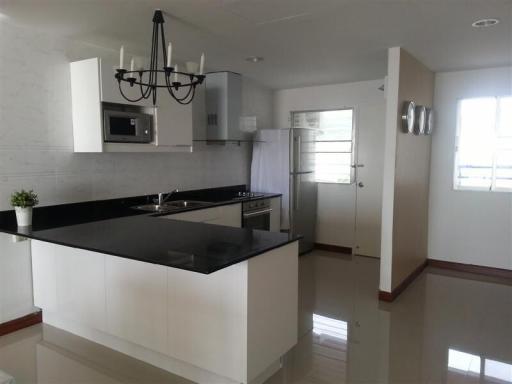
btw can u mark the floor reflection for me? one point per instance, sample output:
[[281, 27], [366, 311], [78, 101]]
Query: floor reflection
[[446, 328], [473, 368]]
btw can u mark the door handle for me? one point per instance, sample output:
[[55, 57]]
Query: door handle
[[258, 213], [360, 184]]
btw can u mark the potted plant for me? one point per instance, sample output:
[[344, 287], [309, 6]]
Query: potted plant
[[23, 202]]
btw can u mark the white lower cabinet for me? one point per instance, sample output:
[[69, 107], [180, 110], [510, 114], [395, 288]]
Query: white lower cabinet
[[44, 280], [136, 299], [228, 215], [81, 295], [59, 288], [209, 319], [231, 326]]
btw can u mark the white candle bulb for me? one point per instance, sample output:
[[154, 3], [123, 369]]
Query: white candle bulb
[[121, 57], [201, 66], [176, 73], [132, 65], [169, 54]]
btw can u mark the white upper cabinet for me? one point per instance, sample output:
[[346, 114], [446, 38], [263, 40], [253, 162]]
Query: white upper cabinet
[[93, 84], [173, 122], [110, 87]]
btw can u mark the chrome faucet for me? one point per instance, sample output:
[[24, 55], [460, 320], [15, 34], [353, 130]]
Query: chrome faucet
[[162, 197]]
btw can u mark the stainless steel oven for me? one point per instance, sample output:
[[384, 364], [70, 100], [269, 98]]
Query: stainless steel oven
[[127, 127], [256, 214]]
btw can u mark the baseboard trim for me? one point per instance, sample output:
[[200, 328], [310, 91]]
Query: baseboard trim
[[471, 268], [333, 248], [21, 322], [391, 296]]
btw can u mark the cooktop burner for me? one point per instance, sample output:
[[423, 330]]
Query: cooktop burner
[[243, 195]]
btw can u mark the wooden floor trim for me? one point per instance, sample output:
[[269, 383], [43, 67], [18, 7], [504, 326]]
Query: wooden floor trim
[[471, 268], [333, 248], [391, 296], [21, 322]]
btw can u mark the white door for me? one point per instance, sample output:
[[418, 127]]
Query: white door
[[369, 169]]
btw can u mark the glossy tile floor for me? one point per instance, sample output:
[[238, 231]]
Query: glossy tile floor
[[446, 328]]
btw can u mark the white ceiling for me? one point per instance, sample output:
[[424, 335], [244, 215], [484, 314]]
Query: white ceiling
[[304, 42]]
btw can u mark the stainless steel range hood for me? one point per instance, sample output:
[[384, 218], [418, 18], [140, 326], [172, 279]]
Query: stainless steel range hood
[[223, 99]]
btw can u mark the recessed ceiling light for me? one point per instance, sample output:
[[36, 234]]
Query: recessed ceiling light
[[485, 23], [254, 59]]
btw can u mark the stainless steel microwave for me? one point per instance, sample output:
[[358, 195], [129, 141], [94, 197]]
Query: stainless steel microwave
[[127, 127]]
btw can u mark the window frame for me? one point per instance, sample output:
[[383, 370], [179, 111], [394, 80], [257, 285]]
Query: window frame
[[455, 186], [353, 169]]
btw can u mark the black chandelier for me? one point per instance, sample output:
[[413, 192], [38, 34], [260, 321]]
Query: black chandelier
[[147, 79]]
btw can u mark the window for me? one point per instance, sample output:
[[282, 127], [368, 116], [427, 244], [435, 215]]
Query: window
[[334, 145], [483, 159]]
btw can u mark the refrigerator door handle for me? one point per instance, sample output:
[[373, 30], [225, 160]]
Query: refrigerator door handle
[[301, 173], [299, 153], [296, 190]]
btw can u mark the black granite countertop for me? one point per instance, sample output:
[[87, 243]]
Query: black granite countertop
[[113, 227]]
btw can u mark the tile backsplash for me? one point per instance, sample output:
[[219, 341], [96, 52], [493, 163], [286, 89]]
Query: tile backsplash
[[36, 136]]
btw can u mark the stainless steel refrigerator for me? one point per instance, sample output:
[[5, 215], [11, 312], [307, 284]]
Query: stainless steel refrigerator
[[284, 161]]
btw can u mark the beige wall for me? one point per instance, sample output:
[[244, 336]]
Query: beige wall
[[412, 170], [406, 174]]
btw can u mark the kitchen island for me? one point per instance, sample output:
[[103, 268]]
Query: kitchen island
[[211, 303]]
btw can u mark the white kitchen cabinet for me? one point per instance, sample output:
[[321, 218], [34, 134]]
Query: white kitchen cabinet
[[230, 326], [173, 123], [110, 88], [81, 295], [57, 286], [209, 312], [93, 84], [44, 275], [228, 215], [136, 298]]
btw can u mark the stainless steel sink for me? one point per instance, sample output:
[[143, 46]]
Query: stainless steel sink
[[185, 204], [172, 206]]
